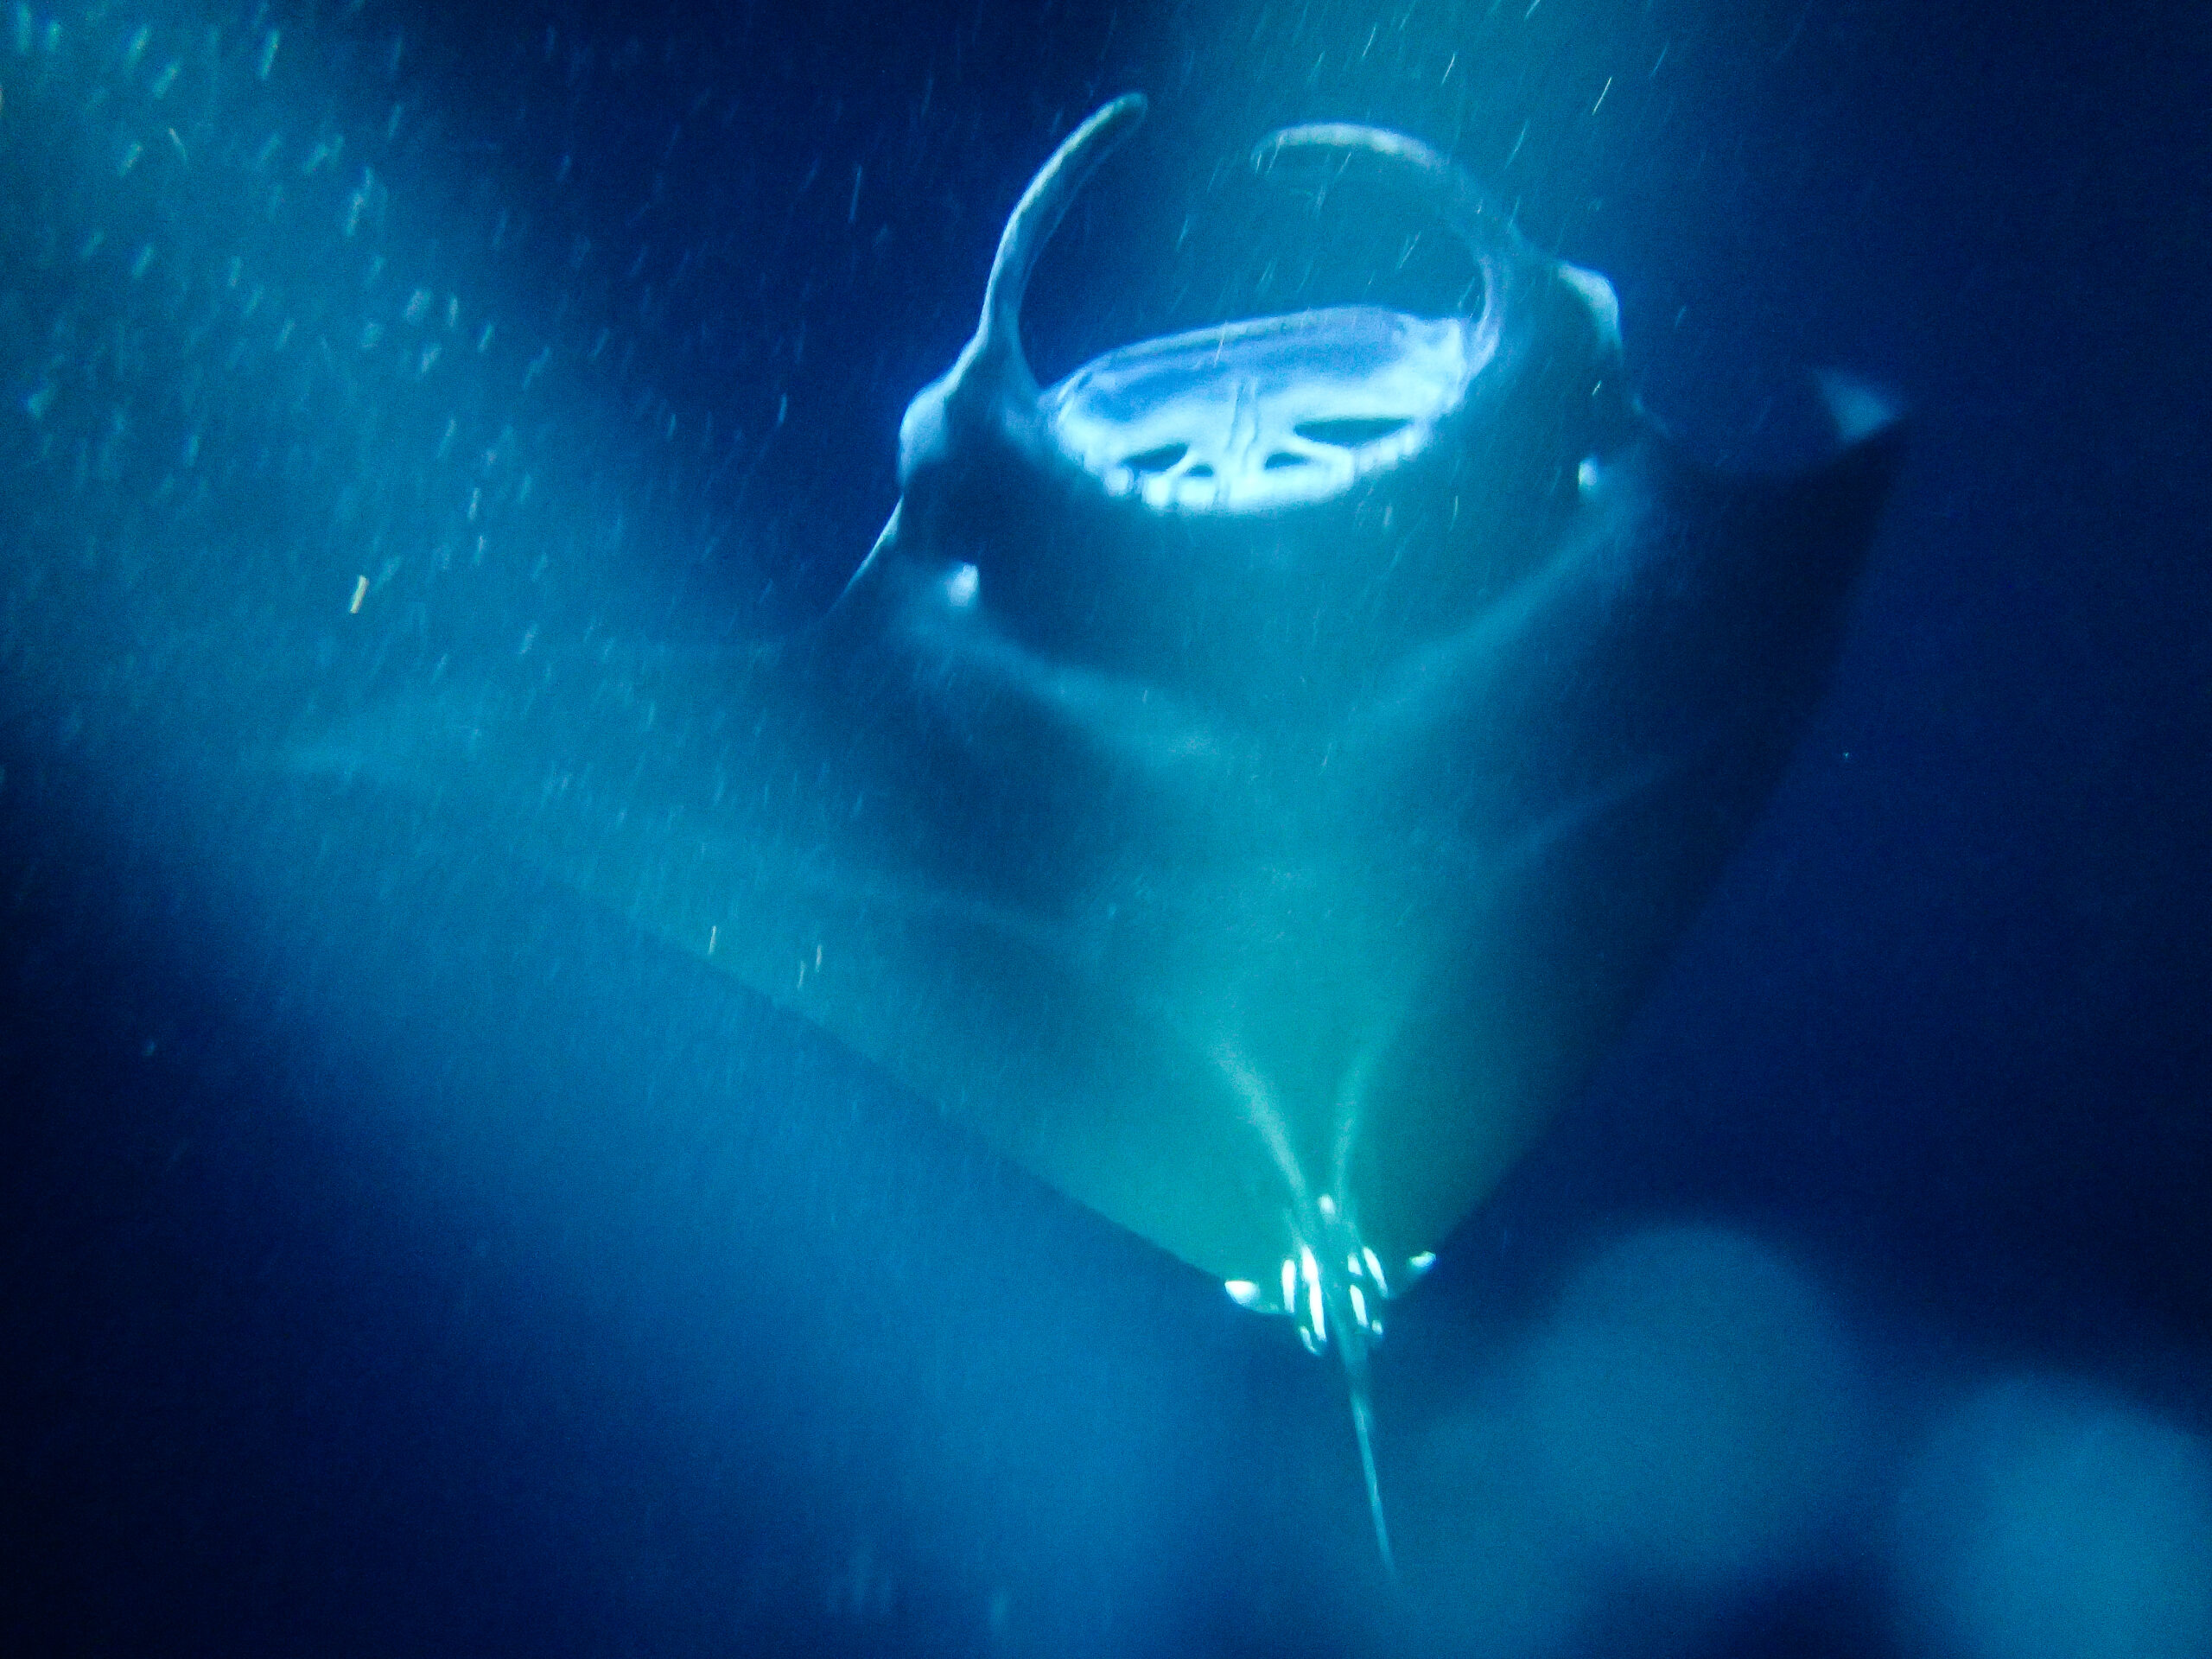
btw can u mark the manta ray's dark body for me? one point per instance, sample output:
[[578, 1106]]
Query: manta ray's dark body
[[1250, 781]]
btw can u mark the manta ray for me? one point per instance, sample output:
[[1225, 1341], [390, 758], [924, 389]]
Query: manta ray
[[1250, 781]]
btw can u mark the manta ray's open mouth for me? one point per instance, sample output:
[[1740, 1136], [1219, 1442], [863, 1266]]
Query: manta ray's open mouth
[[1281, 411], [1266, 413], [1257, 416]]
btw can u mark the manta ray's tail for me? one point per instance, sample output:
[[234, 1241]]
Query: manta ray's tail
[[1363, 1428]]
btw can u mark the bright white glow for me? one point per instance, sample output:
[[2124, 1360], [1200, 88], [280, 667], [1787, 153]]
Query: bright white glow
[[1375, 1268], [1254, 416], [1243, 1292], [1598, 294]]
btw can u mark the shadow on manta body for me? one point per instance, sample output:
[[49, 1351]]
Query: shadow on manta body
[[1250, 781]]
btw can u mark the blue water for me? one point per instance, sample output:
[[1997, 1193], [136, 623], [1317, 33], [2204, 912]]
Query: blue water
[[404, 1254]]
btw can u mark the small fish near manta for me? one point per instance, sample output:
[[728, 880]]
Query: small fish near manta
[[1251, 781]]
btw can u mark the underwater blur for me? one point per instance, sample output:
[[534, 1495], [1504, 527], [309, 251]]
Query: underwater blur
[[586, 1072]]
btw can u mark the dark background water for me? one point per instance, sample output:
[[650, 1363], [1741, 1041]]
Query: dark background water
[[397, 1262]]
